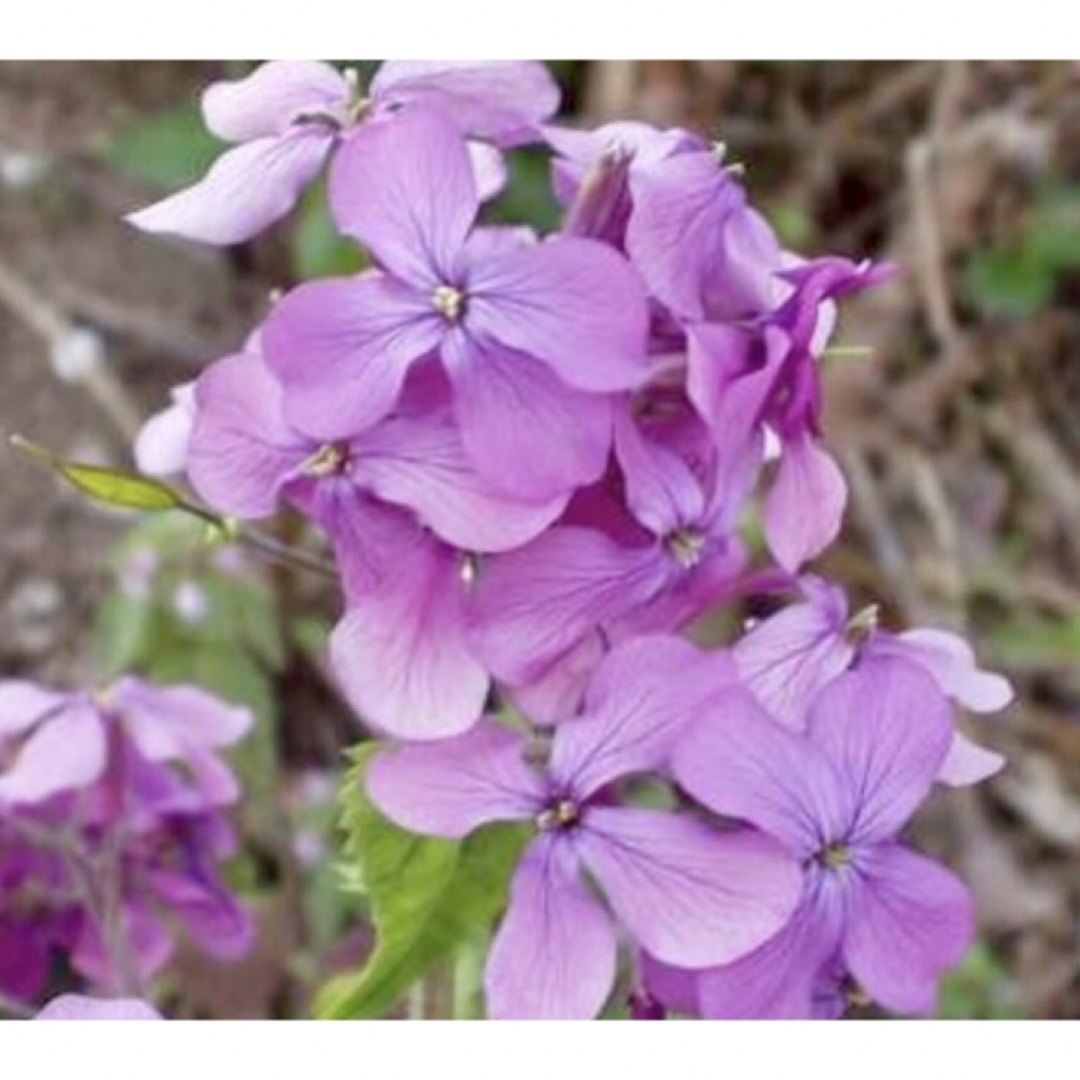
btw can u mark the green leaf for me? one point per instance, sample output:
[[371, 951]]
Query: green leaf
[[427, 896], [170, 150], [121, 632], [1006, 281], [318, 249]]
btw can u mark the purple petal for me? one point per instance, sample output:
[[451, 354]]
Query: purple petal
[[404, 187], [553, 957], [66, 753], [500, 100], [400, 653], [342, 349], [167, 723], [421, 464], [951, 663], [242, 452], [147, 936], [661, 491], [688, 894], [489, 170], [558, 693], [676, 989], [728, 270], [23, 704], [787, 658], [575, 304], [776, 981], [643, 695], [272, 98], [161, 447], [77, 1007], [527, 433], [532, 605], [804, 509], [741, 763], [968, 763], [452, 786], [246, 190], [909, 920], [886, 728], [210, 914]]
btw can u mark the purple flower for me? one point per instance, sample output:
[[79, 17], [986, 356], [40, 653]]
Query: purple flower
[[789, 657], [836, 798], [289, 116], [689, 894], [77, 1007], [668, 564], [162, 443], [532, 336]]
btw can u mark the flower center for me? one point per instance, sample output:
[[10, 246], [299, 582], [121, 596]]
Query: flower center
[[562, 814], [328, 460], [449, 302], [687, 546], [834, 856]]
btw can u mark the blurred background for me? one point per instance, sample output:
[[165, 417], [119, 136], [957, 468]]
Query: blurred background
[[954, 407]]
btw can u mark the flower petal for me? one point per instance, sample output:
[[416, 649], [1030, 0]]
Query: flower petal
[[688, 894], [804, 508], [909, 920], [272, 97], [400, 653], [533, 605], [641, 697], [575, 304], [421, 464], [527, 433], [242, 452], [452, 786], [886, 728], [77, 1007], [161, 447], [404, 187], [740, 762], [65, 753], [500, 100], [342, 349], [23, 704], [246, 190], [553, 957], [968, 763]]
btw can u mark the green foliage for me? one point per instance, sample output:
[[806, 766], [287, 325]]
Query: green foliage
[[169, 150], [527, 199], [316, 247], [428, 898], [1018, 279], [978, 989]]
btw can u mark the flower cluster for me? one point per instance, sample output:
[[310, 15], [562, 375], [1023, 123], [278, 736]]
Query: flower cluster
[[534, 457], [112, 826]]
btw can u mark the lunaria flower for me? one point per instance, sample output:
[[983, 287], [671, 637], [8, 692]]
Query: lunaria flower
[[837, 798], [288, 117], [687, 893]]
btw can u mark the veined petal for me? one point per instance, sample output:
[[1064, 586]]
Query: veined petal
[[804, 508], [641, 697], [342, 349], [404, 187], [886, 728], [689, 894], [421, 464], [67, 752], [575, 304], [400, 653], [272, 98], [246, 190], [532, 605], [909, 920], [500, 100], [553, 957], [525, 431], [452, 786], [742, 763], [241, 451]]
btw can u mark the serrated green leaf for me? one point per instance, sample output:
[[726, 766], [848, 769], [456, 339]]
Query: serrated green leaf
[[170, 150], [427, 897]]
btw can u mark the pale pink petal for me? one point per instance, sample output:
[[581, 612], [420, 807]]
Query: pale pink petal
[[246, 190], [77, 1007], [67, 752], [23, 704], [452, 786], [161, 447], [969, 763], [553, 957]]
